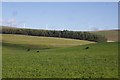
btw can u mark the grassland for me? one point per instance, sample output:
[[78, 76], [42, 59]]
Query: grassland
[[58, 58], [40, 42], [111, 35]]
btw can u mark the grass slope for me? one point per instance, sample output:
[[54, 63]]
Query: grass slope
[[111, 35], [99, 61], [40, 42]]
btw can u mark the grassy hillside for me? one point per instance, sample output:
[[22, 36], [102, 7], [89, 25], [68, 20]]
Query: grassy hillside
[[99, 61], [111, 35], [37, 42]]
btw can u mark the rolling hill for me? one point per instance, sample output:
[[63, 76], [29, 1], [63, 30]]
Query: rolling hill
[[26, 56], [40, 42], [111, 35], [57, 58], [79, 35]]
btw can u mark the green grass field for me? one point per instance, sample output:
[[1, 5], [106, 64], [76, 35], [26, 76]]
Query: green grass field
[[57, 58]]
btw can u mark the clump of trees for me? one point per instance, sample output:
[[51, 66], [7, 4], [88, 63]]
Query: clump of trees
[[53, 33]]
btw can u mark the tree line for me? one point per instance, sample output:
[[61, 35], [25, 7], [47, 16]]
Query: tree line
[[54, 33]]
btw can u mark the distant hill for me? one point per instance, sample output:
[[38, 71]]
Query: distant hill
[[111, 35], [80, 35], [6, 27]]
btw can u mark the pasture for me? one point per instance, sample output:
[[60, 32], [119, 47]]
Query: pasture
[[57, 58], [111, 35]]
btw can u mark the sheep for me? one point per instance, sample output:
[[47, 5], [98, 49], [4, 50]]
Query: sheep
[[28, 49], [87, 48], [37, 51]]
